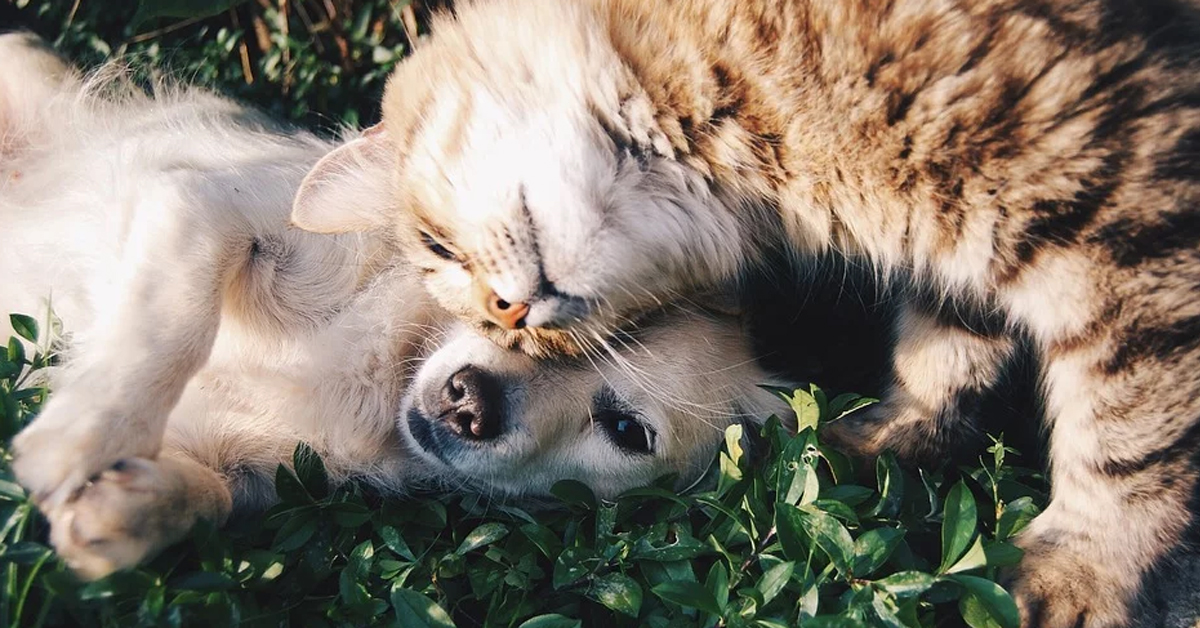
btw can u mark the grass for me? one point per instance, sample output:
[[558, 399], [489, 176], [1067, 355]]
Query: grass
[[786, 538], [795, 535]]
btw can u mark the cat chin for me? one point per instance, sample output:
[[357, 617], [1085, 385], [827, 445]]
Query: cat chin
[[535, 342]]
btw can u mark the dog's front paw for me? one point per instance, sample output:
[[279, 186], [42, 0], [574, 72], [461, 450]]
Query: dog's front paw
[[71, 442], [1055, 588], [123, 516]]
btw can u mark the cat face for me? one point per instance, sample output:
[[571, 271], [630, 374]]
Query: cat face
[[503, 423], [533, 189]]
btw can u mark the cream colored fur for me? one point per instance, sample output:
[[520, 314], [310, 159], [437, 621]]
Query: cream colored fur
[[206, 336]]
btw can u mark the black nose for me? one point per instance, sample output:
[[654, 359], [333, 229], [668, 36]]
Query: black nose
[[470, 404]]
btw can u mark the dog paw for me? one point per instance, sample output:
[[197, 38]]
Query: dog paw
[[121, 517], [1058, 589], [70, 443]]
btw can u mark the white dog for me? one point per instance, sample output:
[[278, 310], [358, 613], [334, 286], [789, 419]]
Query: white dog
[[206, 336]]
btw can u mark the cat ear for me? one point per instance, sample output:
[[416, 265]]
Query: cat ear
[[348, 190]]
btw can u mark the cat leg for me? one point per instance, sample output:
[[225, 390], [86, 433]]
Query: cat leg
[[941, 370], [134, 509], [154, 327], [1124, 468]]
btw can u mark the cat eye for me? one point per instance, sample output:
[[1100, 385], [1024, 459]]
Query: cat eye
[[437, 248], [626, 431]]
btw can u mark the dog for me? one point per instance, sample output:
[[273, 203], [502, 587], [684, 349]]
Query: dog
[[206, 336]]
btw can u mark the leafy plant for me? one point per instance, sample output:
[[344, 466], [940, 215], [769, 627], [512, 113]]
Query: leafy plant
[[791, 537]]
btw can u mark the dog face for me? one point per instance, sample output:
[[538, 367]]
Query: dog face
[[500, 422]]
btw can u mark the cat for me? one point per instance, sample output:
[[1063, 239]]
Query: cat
[[558, 168], [205, 337]]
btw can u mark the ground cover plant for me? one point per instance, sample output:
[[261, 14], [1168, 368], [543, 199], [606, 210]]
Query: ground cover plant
[[796, 533], [792, 537]]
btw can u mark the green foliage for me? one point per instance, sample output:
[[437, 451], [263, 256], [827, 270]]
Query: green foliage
[[320, 63], [790, 539]]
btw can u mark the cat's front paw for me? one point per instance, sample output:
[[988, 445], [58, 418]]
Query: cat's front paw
[[71, 442], [123, 516], [1055, 588]]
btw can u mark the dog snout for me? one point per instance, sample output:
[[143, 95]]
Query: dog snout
[[471, 404]]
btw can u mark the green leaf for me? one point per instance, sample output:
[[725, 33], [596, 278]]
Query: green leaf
[[16, 351], [975, 558], [958, 524], [891, 486], [830, 535], [392, 539], [572, 565], [718, 583], [25, 326], [574, 493], [872, 549], [295, 532], [310, 470], [808, 411], [689, 595], [1016, 515], [849, 494], [23, 553], [1002, 554], [906, 584], [414, 610], [204, 581], [683, 547], [288, 487], [885, 610], [733, 442], [847, 403], [790, 528], [542, 537], [774, 579], [483, 535], [985, 604], [9, 369], [552, 620], [618, 592]]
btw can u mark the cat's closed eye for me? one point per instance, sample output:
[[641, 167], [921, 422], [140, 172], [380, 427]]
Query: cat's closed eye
[[437, 248]]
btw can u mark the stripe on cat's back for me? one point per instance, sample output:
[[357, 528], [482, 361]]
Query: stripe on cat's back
[[1173, 457], [1159, 341], [1183, 161], [1133, 242]]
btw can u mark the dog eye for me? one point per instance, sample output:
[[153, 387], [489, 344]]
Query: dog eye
[[626, 432], [436, 247]]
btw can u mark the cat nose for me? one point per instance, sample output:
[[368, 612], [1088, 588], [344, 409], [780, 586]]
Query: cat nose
[[470, 404], [505, 314]]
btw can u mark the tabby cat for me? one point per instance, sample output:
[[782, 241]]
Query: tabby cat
[[1032, 164]]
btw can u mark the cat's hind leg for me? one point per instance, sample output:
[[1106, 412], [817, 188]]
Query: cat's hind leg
[[942, 370]]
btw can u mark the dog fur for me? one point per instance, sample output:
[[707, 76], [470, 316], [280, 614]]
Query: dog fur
[[206, 336]]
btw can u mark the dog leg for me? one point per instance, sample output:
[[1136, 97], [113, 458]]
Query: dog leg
[[134, 509], [154, 331]]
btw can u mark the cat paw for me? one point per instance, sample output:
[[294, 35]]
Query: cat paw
[[1058, 589], [120, 518], [70, 443]]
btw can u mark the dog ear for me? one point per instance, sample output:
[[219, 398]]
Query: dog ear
[[31, 76], [348, 190]]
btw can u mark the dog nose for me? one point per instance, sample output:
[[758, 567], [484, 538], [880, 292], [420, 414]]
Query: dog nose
[[471, 404], [507, 315]]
